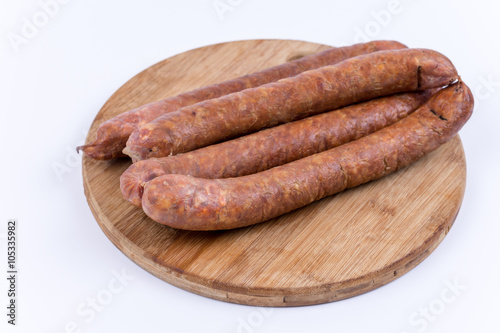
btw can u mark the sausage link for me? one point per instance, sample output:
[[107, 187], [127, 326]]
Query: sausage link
[[353, 80], [113, 134], [274, 146], [213, 204]]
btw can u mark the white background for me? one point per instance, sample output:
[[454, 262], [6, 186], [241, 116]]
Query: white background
[[55, 81]]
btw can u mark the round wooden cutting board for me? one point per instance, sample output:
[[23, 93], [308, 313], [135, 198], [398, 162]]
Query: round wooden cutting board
[[336, 248]]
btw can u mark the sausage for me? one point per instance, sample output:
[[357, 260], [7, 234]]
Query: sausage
[[274, 146], [353, 80], [113, 134], [190, 203]]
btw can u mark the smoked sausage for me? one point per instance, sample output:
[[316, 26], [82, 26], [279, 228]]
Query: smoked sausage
[[275, 146], [191, 203], [113, 134], [353, 80]]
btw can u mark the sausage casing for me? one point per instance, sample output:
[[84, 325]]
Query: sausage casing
[[191, 203], [350, 81], [113, 133]]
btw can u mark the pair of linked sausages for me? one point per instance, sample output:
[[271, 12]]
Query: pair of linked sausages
[[248, 150]]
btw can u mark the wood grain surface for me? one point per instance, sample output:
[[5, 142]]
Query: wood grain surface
[[336, 248]]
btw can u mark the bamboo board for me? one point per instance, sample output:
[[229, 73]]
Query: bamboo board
[[336, 248]]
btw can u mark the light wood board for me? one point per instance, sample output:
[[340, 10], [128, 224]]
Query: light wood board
[[336, 248]]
